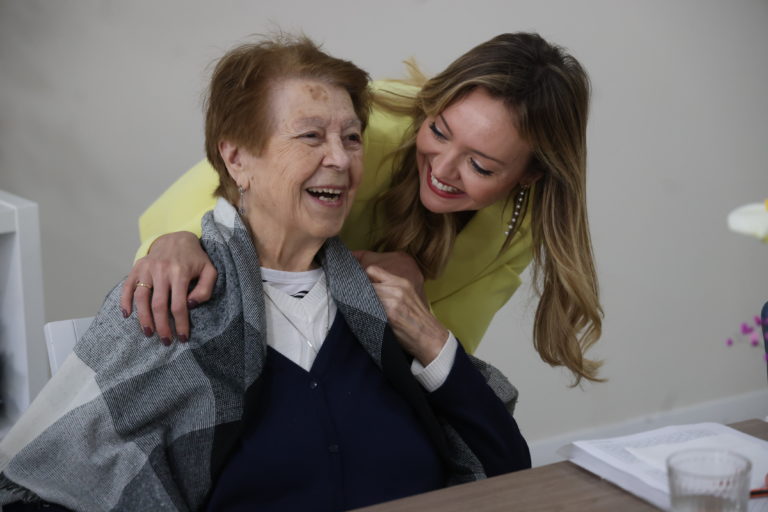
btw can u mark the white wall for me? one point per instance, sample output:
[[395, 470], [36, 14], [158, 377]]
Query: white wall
[[100, 110]]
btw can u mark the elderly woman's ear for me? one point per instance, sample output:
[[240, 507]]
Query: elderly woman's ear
[[233, 156]]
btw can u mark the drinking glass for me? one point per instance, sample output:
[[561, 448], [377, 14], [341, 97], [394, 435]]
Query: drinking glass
[[708, 480]]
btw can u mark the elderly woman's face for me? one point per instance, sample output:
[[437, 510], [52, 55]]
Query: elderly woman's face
[[305, 179]]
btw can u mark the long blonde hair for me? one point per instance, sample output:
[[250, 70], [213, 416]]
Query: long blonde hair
[[549, 92]]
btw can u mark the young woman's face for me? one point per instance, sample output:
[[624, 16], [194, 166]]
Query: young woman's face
[[470, 155]]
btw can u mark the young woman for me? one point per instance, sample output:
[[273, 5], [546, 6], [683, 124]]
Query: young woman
[[469, 176]]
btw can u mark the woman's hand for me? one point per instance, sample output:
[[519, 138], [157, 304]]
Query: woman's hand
[[173, 262], [397, 263], [419, 332]]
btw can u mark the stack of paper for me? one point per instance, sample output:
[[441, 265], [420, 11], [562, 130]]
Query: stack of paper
[[637, 463]]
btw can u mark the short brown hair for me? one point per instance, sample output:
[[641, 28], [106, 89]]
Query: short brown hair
[[237, 104]]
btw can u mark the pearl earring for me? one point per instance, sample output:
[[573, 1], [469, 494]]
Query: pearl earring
[[519, 200]]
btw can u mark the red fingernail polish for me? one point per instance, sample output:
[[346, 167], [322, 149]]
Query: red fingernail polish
[[192, 304], [166, 341], [125, 313], [183, 338], [147, 332]]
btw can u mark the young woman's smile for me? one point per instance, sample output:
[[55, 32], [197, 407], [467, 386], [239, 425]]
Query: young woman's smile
[[470, 155]]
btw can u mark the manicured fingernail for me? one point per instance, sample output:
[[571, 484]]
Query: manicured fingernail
[[192, 304], [125, 313], [183, 338], [148, 331], [166, 341]]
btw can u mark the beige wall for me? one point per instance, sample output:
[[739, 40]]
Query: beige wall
[[100, 110]]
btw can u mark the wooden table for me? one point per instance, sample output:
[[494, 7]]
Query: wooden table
[[561, 487]]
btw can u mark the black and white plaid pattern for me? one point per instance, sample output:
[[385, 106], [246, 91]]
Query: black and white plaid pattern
[[128, 424]]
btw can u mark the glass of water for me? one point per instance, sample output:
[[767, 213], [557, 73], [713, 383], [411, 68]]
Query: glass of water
[[708, 480]]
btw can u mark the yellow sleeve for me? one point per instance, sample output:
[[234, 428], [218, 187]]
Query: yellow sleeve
[[478, 281], [469, 311], [180, 207]]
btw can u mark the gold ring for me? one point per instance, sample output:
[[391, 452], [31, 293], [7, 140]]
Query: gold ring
[[145, 285]]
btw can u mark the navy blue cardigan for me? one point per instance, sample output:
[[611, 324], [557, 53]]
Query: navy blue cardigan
[[341, 436]]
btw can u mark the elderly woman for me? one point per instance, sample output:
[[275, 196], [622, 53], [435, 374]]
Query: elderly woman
[[293, 391]]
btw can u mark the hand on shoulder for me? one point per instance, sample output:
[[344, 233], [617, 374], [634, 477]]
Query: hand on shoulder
[[162, 278]]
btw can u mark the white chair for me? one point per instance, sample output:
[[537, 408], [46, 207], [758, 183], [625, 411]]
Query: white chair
[[60, 338], [22, 365]]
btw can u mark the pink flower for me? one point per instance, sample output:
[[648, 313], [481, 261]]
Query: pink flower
[[746, 329]]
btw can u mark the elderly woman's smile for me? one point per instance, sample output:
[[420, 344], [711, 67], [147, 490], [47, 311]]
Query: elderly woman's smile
[[299, 189]]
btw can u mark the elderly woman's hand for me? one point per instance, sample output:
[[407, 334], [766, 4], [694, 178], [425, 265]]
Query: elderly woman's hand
[[173, 262], [397, 263], [419, 332]]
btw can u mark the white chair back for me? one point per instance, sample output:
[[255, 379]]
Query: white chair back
[[22, 315], [60, 338]]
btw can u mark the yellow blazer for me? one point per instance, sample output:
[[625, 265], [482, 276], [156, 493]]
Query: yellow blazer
[[477, 280]]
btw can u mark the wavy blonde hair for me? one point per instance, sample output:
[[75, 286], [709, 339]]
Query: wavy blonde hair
[[549, 91]]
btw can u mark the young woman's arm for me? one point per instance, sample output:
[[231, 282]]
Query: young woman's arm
[[170, 226]]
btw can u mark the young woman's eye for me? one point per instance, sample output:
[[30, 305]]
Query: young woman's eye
[[436, 132], [478, 169]]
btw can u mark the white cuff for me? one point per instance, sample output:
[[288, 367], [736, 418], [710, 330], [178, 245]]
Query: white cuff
[[435, 373]]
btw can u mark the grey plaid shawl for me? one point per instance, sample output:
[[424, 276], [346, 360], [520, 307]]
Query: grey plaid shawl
[[128, 424]]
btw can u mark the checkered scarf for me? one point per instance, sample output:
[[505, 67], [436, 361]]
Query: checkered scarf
[[129, 424]]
